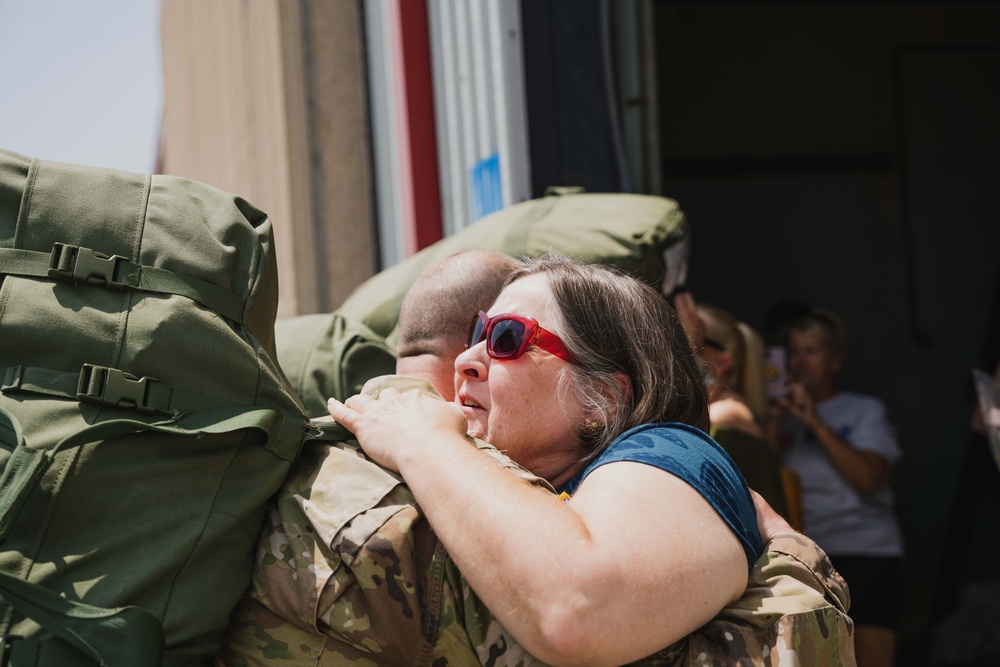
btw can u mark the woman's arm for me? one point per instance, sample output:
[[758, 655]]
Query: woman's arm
[[635, 561], [863, 469]]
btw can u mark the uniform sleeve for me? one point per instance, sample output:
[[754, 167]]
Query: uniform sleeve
[[794, 611]]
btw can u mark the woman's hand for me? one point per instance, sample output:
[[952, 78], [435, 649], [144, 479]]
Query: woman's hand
[[397, 424], [800, 404], [863, 469], [770, 524]]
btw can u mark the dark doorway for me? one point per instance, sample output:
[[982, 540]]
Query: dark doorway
[[845, 154]]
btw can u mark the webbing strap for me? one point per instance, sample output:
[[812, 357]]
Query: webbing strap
[[26, 466], [326, 431], [21, 473], [206, 422], [119, 637], [85, 266], [101, 385]]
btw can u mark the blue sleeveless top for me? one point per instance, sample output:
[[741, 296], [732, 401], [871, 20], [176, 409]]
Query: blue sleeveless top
[[692, 455]]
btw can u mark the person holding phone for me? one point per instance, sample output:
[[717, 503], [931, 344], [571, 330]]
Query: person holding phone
[[843, 447]]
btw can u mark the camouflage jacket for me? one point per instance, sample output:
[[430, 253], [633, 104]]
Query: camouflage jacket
[[793, 613], [349, 573]]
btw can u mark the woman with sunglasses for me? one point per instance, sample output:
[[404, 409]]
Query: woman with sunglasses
[[584, 377]]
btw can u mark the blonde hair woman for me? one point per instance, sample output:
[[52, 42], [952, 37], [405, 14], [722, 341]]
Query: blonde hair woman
[[734, 354]]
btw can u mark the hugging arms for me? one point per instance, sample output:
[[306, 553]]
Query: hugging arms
[[349, 569], [638, 557]]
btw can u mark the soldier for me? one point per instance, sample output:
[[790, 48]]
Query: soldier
[[350, 572]]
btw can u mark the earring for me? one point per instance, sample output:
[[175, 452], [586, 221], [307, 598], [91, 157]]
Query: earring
[[594, 426]]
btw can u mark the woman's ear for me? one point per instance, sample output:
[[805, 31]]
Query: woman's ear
[[621, 392], [617, 392]]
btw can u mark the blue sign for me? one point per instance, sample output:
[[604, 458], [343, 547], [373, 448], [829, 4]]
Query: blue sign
[[487, 195]]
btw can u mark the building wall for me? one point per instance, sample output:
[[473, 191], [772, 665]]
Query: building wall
[[267, 99]]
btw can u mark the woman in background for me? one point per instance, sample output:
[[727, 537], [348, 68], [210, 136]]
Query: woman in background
[[843, 448], [733, 355]]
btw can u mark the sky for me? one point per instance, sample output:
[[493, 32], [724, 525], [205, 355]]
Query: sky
[[81, 81]]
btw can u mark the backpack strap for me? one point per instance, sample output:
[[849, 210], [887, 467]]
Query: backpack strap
[[26, 466], [85, 266], [120, 637], [98, 632], [105, 386], [109, 637]]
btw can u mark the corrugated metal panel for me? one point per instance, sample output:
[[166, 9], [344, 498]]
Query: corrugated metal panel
[[476, 51], [385, 139], [403, 126]]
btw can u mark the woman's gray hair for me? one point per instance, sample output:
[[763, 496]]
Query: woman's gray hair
[[615, 324]]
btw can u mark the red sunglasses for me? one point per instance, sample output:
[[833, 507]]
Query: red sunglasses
[[509, 336]]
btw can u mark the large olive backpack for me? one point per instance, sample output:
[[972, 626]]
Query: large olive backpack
[[326, 355], [143, 420], [644, 235], [333, 354]]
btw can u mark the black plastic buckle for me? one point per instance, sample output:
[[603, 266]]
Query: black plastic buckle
[[84, 266], [114, 388]]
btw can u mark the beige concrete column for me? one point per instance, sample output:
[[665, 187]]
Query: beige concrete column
[[267, 99]]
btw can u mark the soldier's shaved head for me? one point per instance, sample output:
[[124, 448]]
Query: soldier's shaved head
[[435, 314]]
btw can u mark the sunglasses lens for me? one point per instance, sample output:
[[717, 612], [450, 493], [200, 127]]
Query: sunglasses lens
[[506, 338], [476, 331]]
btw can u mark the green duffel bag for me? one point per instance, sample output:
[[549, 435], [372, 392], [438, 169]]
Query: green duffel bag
[[143, 420], [643, 235], [326, 355]]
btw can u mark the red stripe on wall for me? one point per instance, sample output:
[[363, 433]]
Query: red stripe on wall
[[416, 93]]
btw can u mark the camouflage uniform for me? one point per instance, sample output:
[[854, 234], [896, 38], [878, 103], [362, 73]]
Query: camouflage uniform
[[350, 573], [793, 613]]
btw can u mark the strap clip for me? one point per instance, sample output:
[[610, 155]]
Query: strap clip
[[111, 387], [84, 266]]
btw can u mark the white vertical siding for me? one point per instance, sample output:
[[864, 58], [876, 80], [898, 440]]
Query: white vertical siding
[[476, 52]]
